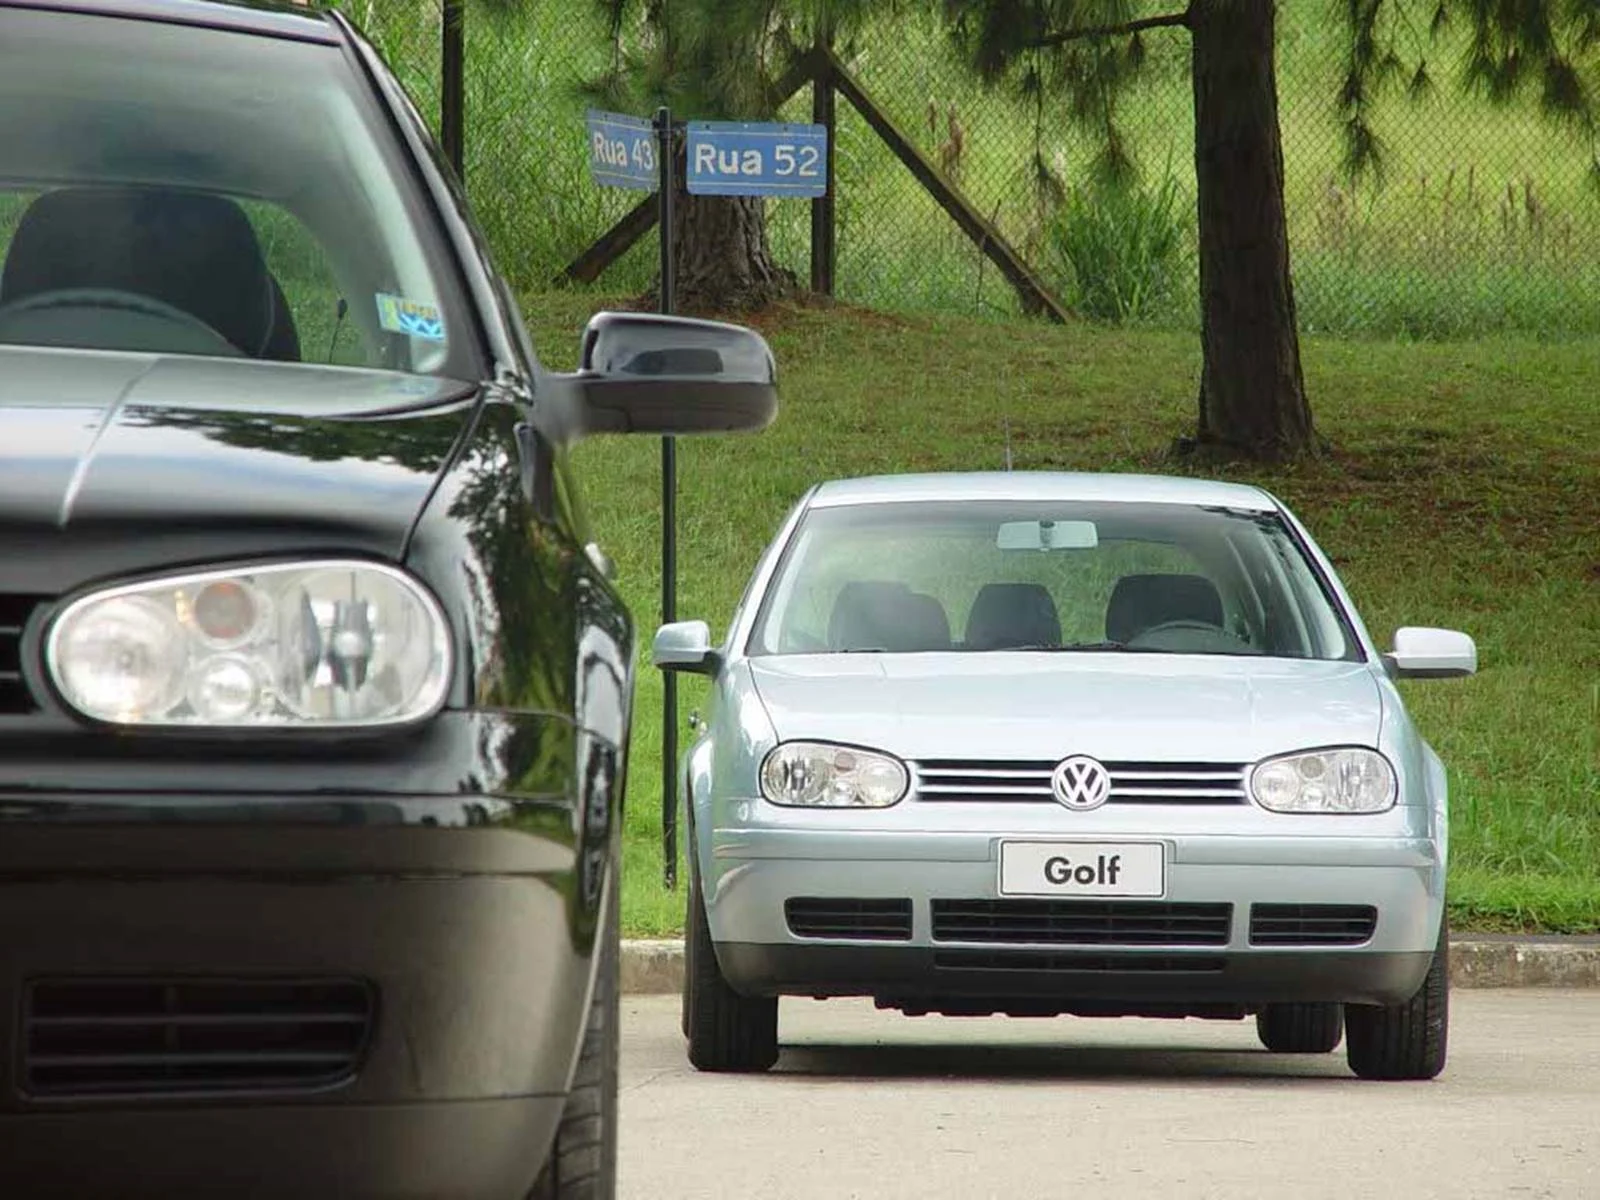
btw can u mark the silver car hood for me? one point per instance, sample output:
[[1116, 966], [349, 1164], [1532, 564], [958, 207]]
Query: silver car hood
[[1118, 707]]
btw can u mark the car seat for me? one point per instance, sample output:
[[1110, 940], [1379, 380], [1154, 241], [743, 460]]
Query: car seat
[[1006, 615], [191, 251], [1141, 602], [883, 615]]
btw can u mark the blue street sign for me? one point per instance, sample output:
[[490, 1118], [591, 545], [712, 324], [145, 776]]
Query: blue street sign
[[742, 158], [622, 150]]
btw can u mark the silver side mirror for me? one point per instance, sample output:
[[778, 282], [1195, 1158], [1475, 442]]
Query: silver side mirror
[[1421, 653], [685, 646]]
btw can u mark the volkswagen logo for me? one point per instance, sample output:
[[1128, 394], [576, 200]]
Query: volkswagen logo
[[1080, 783]]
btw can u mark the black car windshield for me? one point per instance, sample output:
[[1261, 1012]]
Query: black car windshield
[[1086, 577], [171, 189]]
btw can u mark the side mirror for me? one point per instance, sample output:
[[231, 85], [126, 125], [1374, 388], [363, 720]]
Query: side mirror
[[685, 646], [643, 373], [1431, 654]]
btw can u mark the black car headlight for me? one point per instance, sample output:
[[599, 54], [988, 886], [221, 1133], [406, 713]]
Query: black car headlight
[[306, 644]]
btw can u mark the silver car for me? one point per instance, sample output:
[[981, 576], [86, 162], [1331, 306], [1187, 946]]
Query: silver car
[[1038, 744]]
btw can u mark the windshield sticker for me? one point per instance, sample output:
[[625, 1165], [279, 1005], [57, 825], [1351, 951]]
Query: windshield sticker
[[399, 315]]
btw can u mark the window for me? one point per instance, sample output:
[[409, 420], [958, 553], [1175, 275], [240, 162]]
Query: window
[[988, 576], [181, 190]]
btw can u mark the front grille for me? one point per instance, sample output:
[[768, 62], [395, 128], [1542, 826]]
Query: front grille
[[1048, 960], [1082, 922], [863, 920], [14, 694], [946, 780], [99, 1037], [1312, 924]]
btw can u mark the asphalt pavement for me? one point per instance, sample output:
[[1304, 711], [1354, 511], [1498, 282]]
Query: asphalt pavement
[[877, 1106]]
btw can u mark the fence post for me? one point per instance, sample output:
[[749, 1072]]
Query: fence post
[[824, 224], [452, 85]]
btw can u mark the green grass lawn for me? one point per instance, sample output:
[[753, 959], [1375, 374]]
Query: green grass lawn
[[1463, 490]]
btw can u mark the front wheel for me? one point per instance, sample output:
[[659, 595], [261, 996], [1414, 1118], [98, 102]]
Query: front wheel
[[1300, 1028], [583, 1160], [1409, 1040], [726, 1031]]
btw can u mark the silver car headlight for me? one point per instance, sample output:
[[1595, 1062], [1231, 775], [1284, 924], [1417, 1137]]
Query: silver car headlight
[[822, 775], [1325, 781], [309, 644]]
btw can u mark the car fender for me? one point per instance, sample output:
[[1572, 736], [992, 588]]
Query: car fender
[[696, 777]]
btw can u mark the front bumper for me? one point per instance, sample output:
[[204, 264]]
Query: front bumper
[[472, 938], [752, 873]]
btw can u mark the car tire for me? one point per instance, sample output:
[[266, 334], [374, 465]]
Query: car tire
[[1409, 1040], [726, 1031], [1300, 1028], [583, 1158]]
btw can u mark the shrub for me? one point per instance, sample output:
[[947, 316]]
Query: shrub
[[1119, 248]]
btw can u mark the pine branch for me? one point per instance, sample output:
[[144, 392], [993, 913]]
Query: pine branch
[[1064, 36]]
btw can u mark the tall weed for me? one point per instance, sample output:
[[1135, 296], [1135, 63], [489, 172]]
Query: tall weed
[[1118, 249]]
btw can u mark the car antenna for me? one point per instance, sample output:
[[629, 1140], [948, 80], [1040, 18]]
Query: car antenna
[[1006, 421], [338, 324]]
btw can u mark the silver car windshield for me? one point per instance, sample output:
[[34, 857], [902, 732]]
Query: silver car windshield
[[995, 576], [171, 189]]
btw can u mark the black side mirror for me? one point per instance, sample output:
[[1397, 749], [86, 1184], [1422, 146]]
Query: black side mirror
[[643, 373]]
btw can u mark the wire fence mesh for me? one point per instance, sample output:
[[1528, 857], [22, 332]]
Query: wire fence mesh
[[1482, 221]]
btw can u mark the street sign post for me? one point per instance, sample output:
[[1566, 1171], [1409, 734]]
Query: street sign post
[[745, 158], [724, 158]]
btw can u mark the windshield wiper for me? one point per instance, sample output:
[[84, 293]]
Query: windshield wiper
[[1053, 648]]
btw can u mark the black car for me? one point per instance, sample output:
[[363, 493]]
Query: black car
[[314, 692]]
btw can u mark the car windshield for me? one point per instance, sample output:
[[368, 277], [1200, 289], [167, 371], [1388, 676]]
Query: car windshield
[[1001, 576], [179, 190]]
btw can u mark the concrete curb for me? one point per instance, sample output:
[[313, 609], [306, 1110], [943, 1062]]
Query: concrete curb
[[655, 967]]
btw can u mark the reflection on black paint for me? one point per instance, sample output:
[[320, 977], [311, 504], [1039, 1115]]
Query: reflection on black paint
[[545, 645]]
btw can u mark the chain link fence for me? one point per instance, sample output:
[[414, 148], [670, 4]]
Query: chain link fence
[[1482, 221]]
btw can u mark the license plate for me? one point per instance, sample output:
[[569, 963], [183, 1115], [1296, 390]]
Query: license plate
[[1083, 869]]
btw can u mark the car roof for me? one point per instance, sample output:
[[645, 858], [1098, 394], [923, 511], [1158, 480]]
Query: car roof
[[267, 17], [1040, 486]]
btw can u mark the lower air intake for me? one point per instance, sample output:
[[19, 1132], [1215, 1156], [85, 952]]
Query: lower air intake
[[871, 920], [1312, 924], [102, 1037]]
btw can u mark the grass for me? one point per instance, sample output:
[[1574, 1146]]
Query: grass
[[1463, 489], [1482, 224]]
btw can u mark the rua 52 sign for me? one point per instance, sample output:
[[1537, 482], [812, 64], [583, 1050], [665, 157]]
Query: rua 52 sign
[[724, 158], [741, 158]]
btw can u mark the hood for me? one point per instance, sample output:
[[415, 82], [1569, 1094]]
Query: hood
[[112, 463], [1043, 707]]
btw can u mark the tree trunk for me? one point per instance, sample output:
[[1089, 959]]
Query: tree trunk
[[721, 255], [1252, 393]]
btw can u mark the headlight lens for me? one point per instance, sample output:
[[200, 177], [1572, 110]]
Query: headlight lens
[[1325, 781], [328, 643], [820, 775]]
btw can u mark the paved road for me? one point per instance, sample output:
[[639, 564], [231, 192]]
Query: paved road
[[879, 1106]]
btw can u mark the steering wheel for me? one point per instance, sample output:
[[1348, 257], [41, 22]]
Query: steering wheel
[[109, 319]]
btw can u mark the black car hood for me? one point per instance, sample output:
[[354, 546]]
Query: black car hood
[[117, 463]]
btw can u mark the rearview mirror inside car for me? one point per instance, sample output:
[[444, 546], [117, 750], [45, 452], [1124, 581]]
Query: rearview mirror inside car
[[685, 646], [1421, 653], [1048, 535], [644, 373]]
